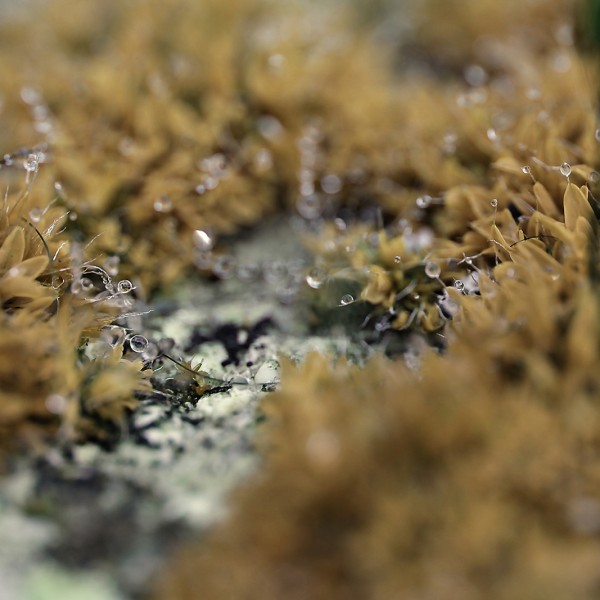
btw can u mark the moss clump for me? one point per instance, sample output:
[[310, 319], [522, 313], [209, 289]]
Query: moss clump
[[49, 311]]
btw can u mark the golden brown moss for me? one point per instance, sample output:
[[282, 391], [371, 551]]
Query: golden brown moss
[[46, 380], [165, 118]]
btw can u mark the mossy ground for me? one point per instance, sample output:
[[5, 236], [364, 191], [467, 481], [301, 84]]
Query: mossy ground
[[392, 209]]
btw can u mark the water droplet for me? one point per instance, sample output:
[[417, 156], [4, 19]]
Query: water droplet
[[316, 278], [86, 284], [449, 143], [526, 170], [213, 165], [397, 259], [32, 163], [269, 127], [200, 189], [307, 188], [494, 203], [124, 286], [331, 184], [565, 169], [73, 216], [309, 207], [346, 299], [58, 187], [432, 270], [475, 75], [163, 204], [203, 240], [138, 343], [263, 160], [492, 135], [594, 177], [224, 266], [36, 214], [276, 61], [56, 404], [111, 265], [340, 224], [459, 285], [210, 183], [30, 96], [424, 201]]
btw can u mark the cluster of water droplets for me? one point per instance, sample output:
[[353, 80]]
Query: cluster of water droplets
[[309, 203], [214, 168], [43, 121]]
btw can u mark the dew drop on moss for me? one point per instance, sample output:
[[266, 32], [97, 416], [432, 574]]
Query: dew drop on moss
[[565, 169], [203, 240], [315, 278], [432, 270], [309, 207], [269, 127], [346, 299], [124, 286], [331, 184], [111, 265], [163, 204], [31, 163], [494, 203], [56, 404], [138, 343], [35, 214], [424, 201], [86, 284]]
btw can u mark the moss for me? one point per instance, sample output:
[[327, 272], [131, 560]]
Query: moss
[[455, 196]]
